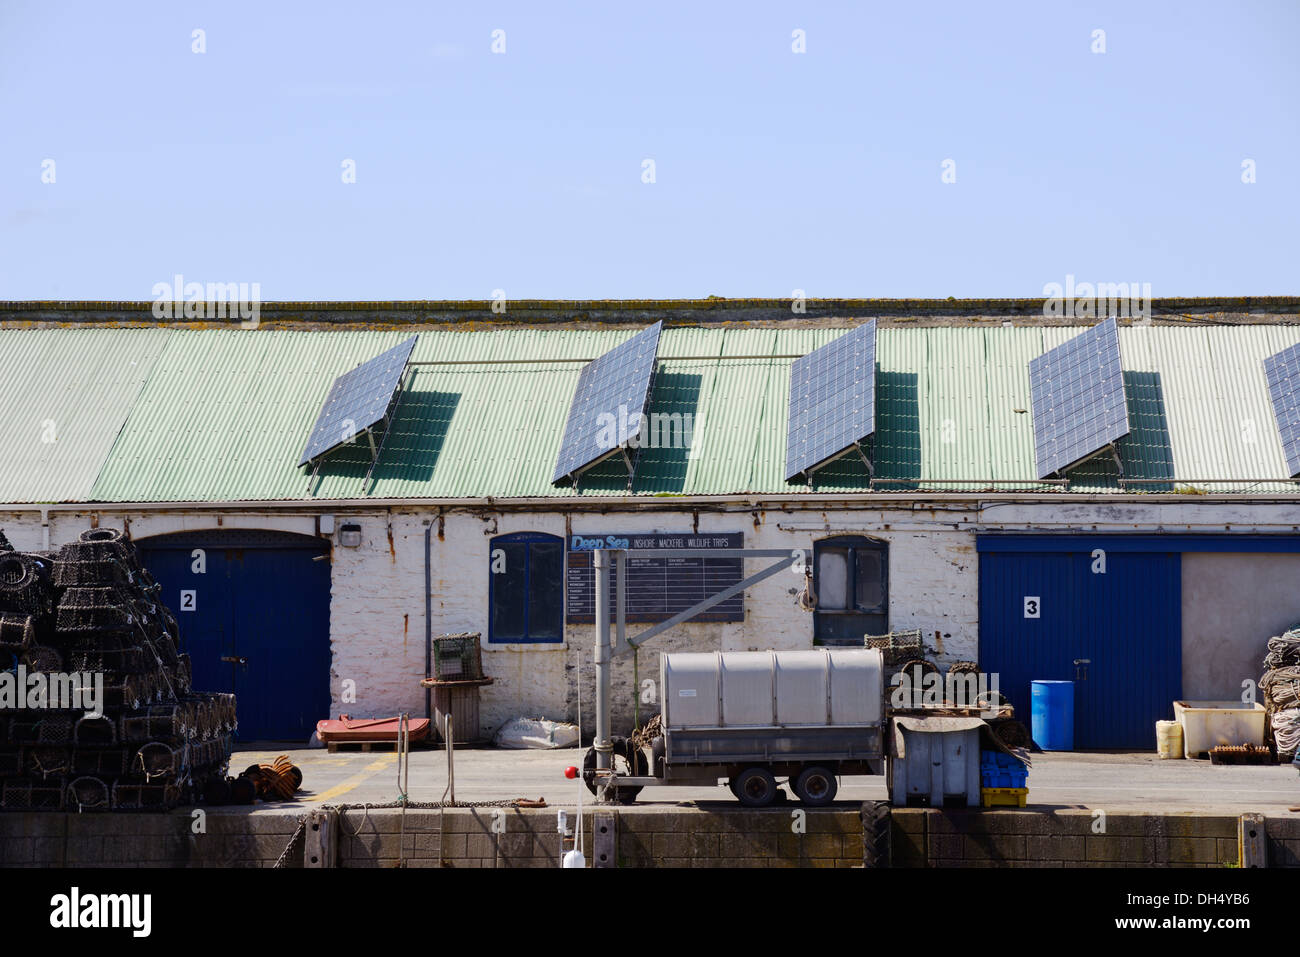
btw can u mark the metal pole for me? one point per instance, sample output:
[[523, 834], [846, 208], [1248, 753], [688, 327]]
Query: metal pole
[[451, 753], [604, 748], [620, 626], [428, 623], [620, 600]]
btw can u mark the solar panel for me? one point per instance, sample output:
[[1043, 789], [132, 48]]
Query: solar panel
[[1076, 392], [832, 400], [615, 385], [1283, 374], [358, 400]]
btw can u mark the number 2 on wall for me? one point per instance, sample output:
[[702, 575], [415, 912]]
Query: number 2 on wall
[[188, 599], [1033, 609]]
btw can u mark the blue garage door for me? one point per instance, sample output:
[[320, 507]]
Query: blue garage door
[[1111, 621], [253, 608]]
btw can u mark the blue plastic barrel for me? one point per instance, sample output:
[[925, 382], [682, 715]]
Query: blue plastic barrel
[[1052, 714]]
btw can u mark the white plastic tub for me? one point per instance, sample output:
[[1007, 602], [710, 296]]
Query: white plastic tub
[[1208, 724]]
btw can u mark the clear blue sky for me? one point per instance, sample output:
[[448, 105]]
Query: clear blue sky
[[523, 171]]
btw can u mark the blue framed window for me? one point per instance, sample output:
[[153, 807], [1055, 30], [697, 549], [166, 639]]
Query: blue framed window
[[526, 588]]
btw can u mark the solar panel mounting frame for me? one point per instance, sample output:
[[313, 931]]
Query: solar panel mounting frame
[[630, 363], [1099, 373], [386, 363], [1282, 374], [852, 354]]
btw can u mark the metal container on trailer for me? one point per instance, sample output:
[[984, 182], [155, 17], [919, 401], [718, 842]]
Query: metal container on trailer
[[733, 707]]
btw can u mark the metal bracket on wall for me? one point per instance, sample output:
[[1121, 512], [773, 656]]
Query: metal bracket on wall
[[605, 826], [320, 839], [1252, 843]]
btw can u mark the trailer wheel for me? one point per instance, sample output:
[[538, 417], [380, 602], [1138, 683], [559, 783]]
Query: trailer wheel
[[755, 787], [816, 786], [626, 760]]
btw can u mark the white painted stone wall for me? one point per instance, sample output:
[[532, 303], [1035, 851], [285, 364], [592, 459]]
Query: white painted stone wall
[[377, 613], [377, 605], [933, 587]]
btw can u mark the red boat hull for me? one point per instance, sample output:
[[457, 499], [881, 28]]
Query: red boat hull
[[345, 728]]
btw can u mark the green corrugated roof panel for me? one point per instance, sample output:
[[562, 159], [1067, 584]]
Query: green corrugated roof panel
[[224, 414], [1199, 409], [497, 428], [66, 394]]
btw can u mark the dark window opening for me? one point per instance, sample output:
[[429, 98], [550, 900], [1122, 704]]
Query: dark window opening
[[851, 581], [526, 588]]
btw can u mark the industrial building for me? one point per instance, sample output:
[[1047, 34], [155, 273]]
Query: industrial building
[[1153, 571]]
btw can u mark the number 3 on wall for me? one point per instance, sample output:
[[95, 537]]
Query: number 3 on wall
[[1032, 607]]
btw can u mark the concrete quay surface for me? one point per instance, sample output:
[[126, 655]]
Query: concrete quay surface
[[1131, 782]]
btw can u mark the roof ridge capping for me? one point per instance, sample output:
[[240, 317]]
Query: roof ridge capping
[[1239, 310]]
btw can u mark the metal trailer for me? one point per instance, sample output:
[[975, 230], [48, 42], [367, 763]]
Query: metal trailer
[[750, 717]]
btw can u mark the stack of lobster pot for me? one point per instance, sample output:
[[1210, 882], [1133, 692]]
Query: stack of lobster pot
[[1281, 687], [118, 726]]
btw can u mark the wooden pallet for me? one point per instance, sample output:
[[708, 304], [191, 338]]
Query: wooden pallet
[[337, 746]]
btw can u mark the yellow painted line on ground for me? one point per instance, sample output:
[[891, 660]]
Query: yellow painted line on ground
[[344, 786]]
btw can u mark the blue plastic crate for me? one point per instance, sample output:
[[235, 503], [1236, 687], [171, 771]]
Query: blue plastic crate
[[1000, 770], [999, 759], [1004, 779]]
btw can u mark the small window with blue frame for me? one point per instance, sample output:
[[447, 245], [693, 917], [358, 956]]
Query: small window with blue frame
[[526, 588]]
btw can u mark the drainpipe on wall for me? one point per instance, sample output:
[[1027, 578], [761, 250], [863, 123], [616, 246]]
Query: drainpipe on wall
[[45, 528], [428, 622]]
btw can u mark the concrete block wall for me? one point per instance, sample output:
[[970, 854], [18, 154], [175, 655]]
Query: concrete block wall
[[795, 837], [1071, 838], [645, 837], [146, 839]]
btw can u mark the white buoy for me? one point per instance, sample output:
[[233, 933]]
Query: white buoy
[[575, 857]]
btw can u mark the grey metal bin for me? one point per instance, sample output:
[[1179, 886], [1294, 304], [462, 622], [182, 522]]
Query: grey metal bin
[[934, 762]]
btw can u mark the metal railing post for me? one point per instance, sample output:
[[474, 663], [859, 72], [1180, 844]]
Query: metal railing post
[[451, 757], [604, 747]]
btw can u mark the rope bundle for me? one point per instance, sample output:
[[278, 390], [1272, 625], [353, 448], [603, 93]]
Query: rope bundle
[[275, 781], [1286, 733], [1283, 650], [1281, 688]]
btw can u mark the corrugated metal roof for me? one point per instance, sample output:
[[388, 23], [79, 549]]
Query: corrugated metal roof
[[224, 413], [65, 396]]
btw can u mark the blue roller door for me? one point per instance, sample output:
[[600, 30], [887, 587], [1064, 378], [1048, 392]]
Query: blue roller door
[[1114, 629], [253, 608]]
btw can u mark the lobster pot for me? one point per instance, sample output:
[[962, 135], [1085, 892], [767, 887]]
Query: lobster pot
[[458, 657], [461, 701]]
